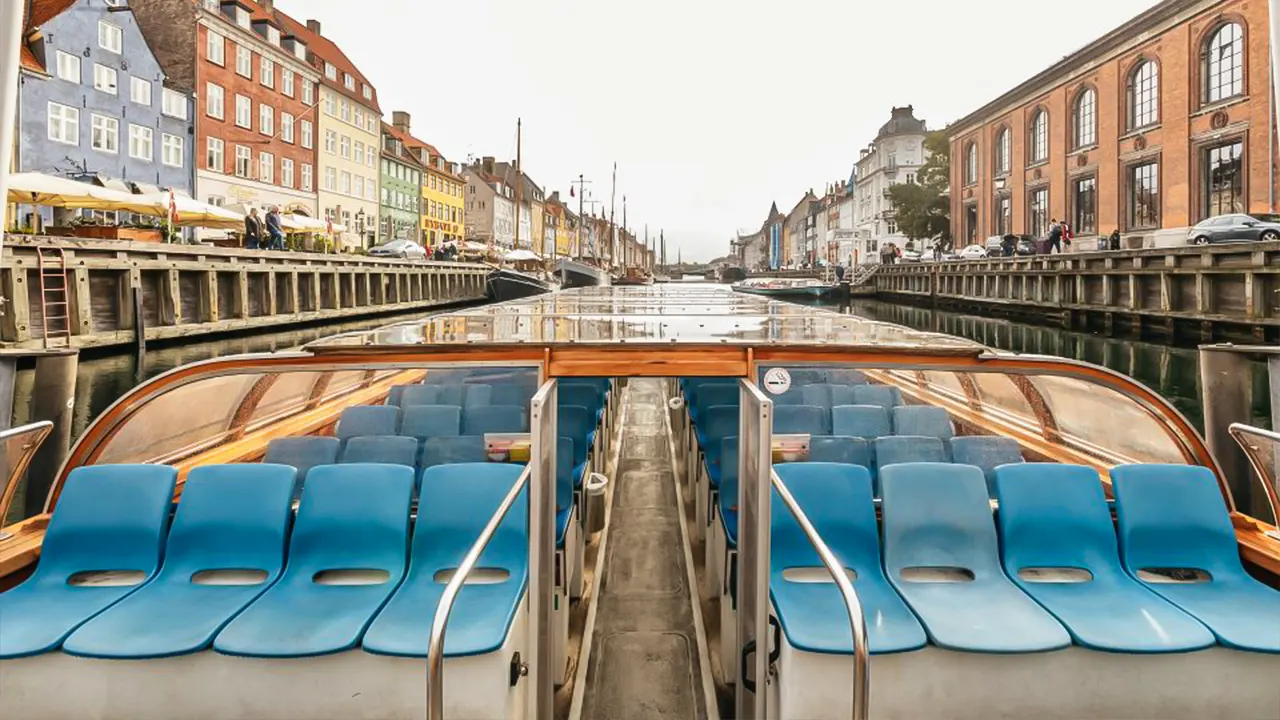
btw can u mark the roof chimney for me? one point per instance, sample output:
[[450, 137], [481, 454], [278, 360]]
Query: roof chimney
[[400, 120], [314, 26], [486, 164], [268, 6]]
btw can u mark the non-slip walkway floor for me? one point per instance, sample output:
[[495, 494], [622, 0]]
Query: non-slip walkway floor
[[644, 660]]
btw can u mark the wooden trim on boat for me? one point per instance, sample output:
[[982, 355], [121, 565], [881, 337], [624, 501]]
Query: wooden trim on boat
[[682, 361], [23, 549], [1256, 546]]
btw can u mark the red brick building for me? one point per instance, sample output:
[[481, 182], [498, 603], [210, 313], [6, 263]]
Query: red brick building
[[1150, 129], [256, 127]]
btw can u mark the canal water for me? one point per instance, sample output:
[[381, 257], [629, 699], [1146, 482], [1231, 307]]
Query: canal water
[[1171, 371]]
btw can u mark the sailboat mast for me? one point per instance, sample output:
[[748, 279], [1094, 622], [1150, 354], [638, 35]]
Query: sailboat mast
[[518, 183], [582, 219], [626, 244], [613, 231]]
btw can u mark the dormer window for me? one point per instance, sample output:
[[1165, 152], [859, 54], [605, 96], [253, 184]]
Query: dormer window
[[368, 93], [348, 81], [273, 36], [241, 17], [330, 71]]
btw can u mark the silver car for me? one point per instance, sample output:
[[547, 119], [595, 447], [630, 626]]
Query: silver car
[[404, 249]]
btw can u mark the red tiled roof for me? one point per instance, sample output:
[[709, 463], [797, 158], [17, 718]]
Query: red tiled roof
[[406, 156], [327, 51], [414, 143], [37, 14]]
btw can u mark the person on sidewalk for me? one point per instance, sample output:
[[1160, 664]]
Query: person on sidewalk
[[1055, 237], [1114, 240], [274, 232], [252, 230]]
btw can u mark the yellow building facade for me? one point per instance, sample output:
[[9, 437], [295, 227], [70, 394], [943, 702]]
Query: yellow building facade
[[443, 203]]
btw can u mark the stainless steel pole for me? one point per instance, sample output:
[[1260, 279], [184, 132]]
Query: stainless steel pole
[[10, 46]]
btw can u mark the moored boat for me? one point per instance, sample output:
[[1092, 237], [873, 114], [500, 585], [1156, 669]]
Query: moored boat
[[787, 288], [505, 284], [633, 276], [452, 473], [575, 273], [731, 274]]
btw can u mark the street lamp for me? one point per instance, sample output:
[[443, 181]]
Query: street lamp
[[999, 184], [360, 226]]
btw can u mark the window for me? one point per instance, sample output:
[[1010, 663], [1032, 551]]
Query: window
[[1144, 95], [244, 61], [286, 127], [1084, 197], [110, 37], [267, 72], [266, 119], [214, 158], [368, 93], [359, 187], [1004, 214], [1085, 119], [970, 164], [68, 67], [244, 112], [266, 167], [141, 142], [348, 82], [214, 101], [359, 156], [244, 159], [1038, 212], [305, 132], [306, 177], [308, 92], [1222, 64], [64, 124], [171, 149], [1039, 140], [330, 71], [330, 105], [1223, 179], [330, 142], [371, 124], [368, 157], [106, 134], [1144, 196], [344, 110], [386, 193], [173, 103], [346, 183], [216, 49], [104, 79], [371, 190], [345, 147], [330, 179], [139, 90], [286, 172], [359, 117], [286, 82]]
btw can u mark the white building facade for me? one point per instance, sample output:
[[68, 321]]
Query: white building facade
[[895, 156]]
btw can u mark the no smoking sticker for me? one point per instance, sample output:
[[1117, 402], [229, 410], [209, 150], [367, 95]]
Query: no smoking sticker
[[777, 381]]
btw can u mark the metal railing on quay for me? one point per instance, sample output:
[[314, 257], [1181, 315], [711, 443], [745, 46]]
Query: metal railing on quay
[[857, 623], [435, 647], [1266, 465]]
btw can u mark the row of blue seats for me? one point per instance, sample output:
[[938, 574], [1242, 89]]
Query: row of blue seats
[[864, 421], [701, 396], [238, 573], [1055, 573], [584, 392], [430, 420]]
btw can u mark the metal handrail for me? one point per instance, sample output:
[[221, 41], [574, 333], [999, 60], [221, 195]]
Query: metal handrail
[[857, 623], [435, 647], [29, 437], [1238, 431]]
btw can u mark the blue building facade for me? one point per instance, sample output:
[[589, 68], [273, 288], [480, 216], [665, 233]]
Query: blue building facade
[[97, 107]]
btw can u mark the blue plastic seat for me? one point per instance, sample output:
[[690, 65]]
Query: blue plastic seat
[[583, 396], [577, 422], [719, 422], [453, 449], [460, 394], [986, 452], [230, 518], [837, 500], [360, 420], [725, 460], [1054, 517], [1173, 517], [396, 394], [839, 449], [456, 503], [413, 395], [883, 395], [565, 482], [352, 517], [864, 421], [303, 453], [897, 449], [426, 421], [826, 395], [801, 420], [382, 449], [715, 396], [512, 394], [108, 518], [923, 420], [482, 419], [937, 517]]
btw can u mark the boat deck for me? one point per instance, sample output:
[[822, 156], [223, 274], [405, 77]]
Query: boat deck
[[648, 656]]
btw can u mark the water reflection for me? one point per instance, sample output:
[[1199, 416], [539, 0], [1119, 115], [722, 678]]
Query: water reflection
[[1174, 372]]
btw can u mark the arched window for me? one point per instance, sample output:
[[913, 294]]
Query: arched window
[[1039, 140], [970, 164], [1004, 151], [1222, 63], [1084, 118], [1144, 95]]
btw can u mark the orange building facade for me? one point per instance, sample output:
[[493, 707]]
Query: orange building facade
[[1152, 128]]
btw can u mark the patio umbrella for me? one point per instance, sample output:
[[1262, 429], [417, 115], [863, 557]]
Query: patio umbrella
[[41, 189], [192, 212], [522, 254]]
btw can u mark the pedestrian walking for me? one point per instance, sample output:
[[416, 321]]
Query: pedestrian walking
[[252, 230], [839, 273], [1055, 237], [274, 232]]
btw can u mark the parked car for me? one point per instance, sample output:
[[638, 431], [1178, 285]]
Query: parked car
[[910, 256], [950, 256], [1027, 245], [404, 249], [1235, 228], [973, 252], [994, 245]]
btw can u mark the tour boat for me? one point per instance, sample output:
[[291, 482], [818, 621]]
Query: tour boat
[[647, 502], [633, 276], [506, 284], [796, 288], [575, 273]]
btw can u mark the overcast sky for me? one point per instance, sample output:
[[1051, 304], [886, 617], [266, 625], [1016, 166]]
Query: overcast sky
[[712, 109]]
